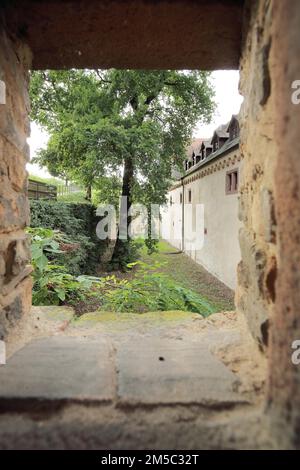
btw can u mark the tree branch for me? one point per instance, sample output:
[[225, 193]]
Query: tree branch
[[103, 80]]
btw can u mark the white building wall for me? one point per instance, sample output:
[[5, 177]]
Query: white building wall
[[220, 253], [171, 219]]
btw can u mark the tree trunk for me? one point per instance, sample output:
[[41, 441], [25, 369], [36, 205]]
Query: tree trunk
[[122, 244], [88, 194]]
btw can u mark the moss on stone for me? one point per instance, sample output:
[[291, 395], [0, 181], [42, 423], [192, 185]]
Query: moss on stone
[[53, 313], [103, 317]]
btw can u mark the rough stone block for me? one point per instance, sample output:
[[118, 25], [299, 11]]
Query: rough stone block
[[14, 304], [59, 368], [159, 371]]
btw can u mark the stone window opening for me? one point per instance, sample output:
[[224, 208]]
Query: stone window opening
[[282, 21], [232, 182]]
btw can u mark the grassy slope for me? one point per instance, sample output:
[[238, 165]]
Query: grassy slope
[[78, 197], [191, 275], [52, 181]]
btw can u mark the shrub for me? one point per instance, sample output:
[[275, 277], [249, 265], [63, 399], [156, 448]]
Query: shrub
[[52, 284], [77, 223], [129, 252], [151, 291], [148, 290]]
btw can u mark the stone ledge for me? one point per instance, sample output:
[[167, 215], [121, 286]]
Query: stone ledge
[[59, 368]]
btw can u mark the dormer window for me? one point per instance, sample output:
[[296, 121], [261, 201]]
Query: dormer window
[[208, 152], [233, 128]]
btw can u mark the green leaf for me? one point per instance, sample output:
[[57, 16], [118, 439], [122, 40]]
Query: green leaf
[[61, 294], [41, 262]]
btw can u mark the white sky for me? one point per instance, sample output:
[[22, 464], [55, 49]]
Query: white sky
[[227, 98]]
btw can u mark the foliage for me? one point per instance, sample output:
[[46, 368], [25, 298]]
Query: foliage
[[75, 226], [150, 290], [51, 181], [77, 197], [194, 277], [52, 284], [129, 253], [103, 121], [107, 191], [98, 118]]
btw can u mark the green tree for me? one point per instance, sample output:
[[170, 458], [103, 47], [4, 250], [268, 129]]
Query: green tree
[[101, 121]]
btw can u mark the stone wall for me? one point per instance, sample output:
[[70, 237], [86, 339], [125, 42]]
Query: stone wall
[[269, 275], [284, 385], [255, 295], [15, 282]]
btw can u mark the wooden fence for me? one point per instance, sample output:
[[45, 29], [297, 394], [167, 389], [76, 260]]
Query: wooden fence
[[38, 190], [63, 190]]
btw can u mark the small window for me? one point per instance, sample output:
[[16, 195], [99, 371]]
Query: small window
[[190, 195], [171, 200], [180, 198], [232, 182]]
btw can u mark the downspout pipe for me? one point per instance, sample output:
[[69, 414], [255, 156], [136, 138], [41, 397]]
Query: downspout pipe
[[182, 216]]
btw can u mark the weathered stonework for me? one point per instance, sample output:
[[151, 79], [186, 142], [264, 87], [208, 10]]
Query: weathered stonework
[[15, 282], [284, 385], [269, 276], [256, 273], [130, 33], [269, 279]]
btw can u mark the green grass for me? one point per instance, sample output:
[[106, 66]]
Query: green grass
[[78, 197], [51, 181], [190, 275]]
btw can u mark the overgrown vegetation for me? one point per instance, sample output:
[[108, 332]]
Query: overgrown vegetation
[[77, 197], [114, 133], [190, 275], [52, 181], [75, 224], [147, 290], [151, 290], [134, 122], [52, 283]]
